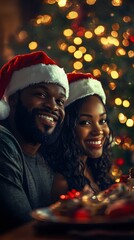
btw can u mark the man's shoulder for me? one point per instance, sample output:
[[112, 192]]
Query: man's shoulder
[[10, 148], [4, 132], [8, 139], [3, 129]]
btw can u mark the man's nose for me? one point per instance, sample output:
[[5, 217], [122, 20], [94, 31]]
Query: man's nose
[[51, 104]]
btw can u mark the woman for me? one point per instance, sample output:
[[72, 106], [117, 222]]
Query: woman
[[82, 153]]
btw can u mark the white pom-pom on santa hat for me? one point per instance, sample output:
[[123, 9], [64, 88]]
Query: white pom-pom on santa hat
[[27, 69], [4, 109], [82, 85]]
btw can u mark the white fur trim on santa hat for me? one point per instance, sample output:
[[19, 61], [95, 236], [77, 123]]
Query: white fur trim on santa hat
[[35, 74], [85, 87], [4, 109]]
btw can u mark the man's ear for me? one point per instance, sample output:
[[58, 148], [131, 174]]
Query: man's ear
[[13, 99]]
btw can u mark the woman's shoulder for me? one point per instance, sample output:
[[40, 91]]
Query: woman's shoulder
[[60, 180], [60, 186]]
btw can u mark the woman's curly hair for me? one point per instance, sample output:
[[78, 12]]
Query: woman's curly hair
[[64, 155]]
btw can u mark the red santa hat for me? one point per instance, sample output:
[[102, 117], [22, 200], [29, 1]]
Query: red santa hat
[[82, 85], [27, 69]]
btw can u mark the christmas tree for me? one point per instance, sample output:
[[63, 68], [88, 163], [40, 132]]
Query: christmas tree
[[94, 36]]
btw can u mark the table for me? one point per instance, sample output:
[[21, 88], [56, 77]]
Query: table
[[28, 232]]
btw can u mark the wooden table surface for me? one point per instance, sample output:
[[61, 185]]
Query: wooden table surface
[[29, 232]]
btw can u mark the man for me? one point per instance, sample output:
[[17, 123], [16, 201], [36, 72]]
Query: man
[[33, 90]]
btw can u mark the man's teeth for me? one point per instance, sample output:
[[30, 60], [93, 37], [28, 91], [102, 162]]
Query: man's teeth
[[94, 142], [47, 117]]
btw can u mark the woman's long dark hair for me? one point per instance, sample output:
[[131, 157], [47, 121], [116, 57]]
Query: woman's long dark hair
[[64, 155]]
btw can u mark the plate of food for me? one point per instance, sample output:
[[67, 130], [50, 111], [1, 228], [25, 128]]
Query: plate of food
[[84, 210]]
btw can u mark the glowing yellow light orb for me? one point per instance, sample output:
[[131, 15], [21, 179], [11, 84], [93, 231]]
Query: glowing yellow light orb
[[122, 118], [126, 103], [117, 140], [99, 30], [62, 3], [72, 15], [114, 74], [104, 41], [129, 122], [68, 32], [77, 40], [33, 45], [71, 49], [90, 2], [127, 19], [88, 34], [82, 49], [77, 65], [116, 3], [22, 35], [112, 85], [118, 101], [96, 72], [114, 34], [78, 54], [51, 1], [131, 54], [120, 51], [46, 19], [88, 58]]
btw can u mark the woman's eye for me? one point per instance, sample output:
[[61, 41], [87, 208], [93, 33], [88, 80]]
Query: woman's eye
[[84, 122], [103, 121]]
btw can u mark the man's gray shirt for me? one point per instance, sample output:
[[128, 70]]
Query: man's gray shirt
[[25, 182]]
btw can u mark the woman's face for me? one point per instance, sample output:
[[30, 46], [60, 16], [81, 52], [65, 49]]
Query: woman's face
[[91, 127]]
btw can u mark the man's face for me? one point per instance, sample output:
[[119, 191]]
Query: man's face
[[40, 112]]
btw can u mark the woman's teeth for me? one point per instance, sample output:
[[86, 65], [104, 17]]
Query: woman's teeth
[[94, 142]]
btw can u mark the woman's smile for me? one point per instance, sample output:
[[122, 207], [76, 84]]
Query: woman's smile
[[91, 127]]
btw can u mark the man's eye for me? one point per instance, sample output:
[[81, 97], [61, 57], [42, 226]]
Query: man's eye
[[61, 102], [41, 95]]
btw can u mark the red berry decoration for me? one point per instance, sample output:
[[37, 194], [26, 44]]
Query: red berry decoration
[[120, 209], [131, 38], [82, 214]]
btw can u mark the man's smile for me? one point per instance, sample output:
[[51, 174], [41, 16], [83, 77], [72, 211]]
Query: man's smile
[[49, 120]]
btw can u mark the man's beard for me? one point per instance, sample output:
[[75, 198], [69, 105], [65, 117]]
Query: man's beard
[[26, 125]]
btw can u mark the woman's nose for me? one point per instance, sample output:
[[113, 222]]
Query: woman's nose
[[97, 130]]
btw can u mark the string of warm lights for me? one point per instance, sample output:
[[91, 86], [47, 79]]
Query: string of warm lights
[[88, 37]]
